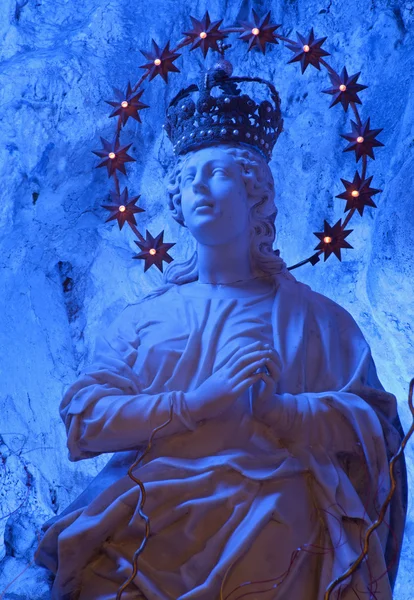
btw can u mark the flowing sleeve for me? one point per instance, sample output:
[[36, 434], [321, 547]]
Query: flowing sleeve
[[341, 417], [330, 404], [104, 409]]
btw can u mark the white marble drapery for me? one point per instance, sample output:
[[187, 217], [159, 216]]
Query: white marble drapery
[[227, 488]]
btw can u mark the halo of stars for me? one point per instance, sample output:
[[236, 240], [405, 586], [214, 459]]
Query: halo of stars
[[259, 33], [122, 209], [308, 51], [344, 89], [154, 251], [358, 193], [127, 104], [161, 62], [332, 239], [205, 34], [362, 139], [114, 156]]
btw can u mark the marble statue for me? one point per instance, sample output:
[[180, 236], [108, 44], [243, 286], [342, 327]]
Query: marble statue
[[276, 459]]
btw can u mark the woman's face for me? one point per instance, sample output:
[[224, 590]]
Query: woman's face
[[213, 179]]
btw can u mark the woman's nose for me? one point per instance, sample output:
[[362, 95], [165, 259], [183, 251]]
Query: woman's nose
[[199, 183]]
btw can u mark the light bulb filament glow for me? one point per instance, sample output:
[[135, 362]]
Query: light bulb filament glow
[[203, 35], [153, 251], [112, 155], [157, 62], [355, 193], [124, 104], [255, 31], [122, 208], [342, 87], [306, 48], [327, 239], [360, 139]]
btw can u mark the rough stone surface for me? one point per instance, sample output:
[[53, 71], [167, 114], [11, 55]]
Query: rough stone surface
[[65, 274]]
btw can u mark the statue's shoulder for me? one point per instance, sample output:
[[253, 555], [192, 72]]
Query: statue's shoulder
[[136, 314], [149, 306], [317, 305]]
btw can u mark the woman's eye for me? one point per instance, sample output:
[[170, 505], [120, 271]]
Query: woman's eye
[[191, 176]]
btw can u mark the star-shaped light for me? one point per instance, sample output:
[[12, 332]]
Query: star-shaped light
[[154, 251], [358, 193], [333, 239], [127, 104], [345, 89], [122, 208], [258, 32], [362, 139], [161, 63], [115, 156], [308, 51], [205, 34]]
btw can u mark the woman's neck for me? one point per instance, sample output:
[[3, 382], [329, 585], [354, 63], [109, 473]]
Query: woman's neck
[[225, 263]]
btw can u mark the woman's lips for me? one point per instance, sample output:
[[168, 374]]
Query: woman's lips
[[204, 207], [203, 204]]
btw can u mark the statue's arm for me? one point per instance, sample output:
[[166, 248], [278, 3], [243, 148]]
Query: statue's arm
[[343, 410], [335, 419], [104, 410], [343, 403]]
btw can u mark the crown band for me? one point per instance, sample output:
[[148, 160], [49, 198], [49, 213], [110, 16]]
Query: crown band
[[229, 117]]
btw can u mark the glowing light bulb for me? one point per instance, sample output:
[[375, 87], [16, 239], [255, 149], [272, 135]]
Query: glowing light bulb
[[306, 48], [342, 87], [157, 62], [112, 155], [360, 139], [255, 31], [355, 193], [203, 35], [153, 251], [124, 104], [327, 239], [122, 208]]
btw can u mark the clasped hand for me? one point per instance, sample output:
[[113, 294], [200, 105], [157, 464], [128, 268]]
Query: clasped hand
[[219, 391], [264, 389]]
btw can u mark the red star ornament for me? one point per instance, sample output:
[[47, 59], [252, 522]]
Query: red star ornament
[[122, 208], [308, 51], [205, 34], [349, 91], [154, 251], [115, 156], [127, 104], [333, 239], [358, 193], [362, 139], [263, 32], [161, 62]]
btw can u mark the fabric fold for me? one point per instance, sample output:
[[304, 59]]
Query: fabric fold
[[308, 469]]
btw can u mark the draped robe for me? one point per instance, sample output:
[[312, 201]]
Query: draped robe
[[281, 490]]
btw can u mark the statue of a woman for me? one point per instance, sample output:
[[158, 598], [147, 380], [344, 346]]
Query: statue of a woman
[[276, 458]]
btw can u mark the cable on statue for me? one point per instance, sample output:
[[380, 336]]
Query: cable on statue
[[283, 576]]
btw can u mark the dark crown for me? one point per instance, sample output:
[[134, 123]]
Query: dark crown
[[229, 117]]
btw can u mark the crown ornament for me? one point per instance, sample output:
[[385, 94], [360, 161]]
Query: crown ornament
[[228, 117]]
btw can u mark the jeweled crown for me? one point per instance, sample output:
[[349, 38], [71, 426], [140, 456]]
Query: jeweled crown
[[228, 117]]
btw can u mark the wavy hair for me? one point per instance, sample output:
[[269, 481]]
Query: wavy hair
[[260, 188]]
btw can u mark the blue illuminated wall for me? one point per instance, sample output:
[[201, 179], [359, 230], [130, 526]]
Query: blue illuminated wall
[[65, 274]]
